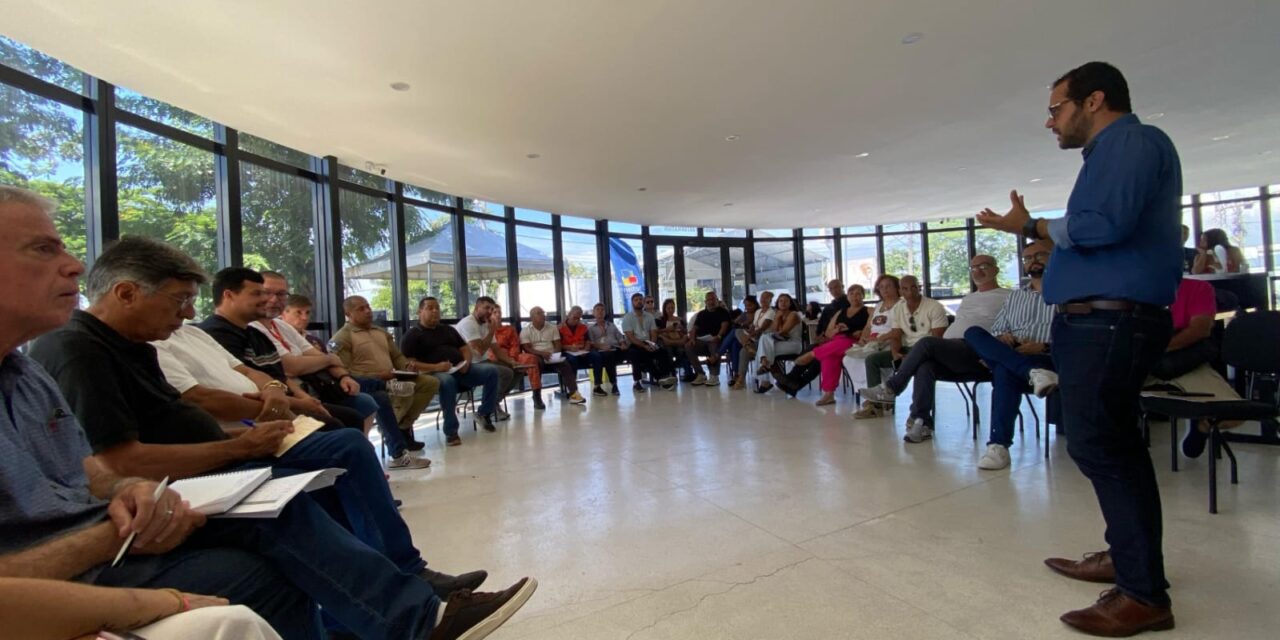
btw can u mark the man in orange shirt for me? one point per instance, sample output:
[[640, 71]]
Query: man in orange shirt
[[506, 350]]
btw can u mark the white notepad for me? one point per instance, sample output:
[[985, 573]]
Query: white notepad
[[272, 497], [218, 492]]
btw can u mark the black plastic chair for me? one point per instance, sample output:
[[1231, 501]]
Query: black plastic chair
[[1249, 345]]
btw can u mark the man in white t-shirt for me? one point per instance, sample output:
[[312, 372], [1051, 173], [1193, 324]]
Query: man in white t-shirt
[[541, 339], [478, 330], [947, 357]]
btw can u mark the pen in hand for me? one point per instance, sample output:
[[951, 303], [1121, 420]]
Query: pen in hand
[[128, 542]]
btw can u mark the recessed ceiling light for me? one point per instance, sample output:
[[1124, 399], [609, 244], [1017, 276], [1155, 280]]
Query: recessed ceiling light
[[864, 154], [533, 156], [1156, 116], [400, 86], [912, 38], [732, 138], [643, 189], [1037, 179], [1221, 138], [727, 204]]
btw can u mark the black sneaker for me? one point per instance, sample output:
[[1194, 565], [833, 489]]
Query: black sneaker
[[487, 423], [537, 402], [615, 390], [638, 387], [1193, 443], [444, 584], [411, 443], [598, 391], [471, 616]]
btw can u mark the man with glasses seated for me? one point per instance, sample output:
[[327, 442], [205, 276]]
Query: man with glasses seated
[[938, 351], [1016, 349]]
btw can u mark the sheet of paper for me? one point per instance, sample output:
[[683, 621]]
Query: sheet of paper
[[454, 368], [706, 338], [272, 497], [578, 353], [556, 357], [303, 426]]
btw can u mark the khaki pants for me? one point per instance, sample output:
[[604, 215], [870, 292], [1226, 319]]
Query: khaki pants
[[408, 408]]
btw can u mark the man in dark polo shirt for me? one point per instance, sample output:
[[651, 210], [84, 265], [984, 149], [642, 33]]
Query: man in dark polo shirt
[[434, 347], [141, 290], [839, 302], [709, 327], [240, 299]]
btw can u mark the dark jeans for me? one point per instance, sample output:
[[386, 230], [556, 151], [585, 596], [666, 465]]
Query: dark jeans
[[478, 375], [1102, 359], [1183, 361], [384, 415], [589, 360], [928, 360], [609, 361], [1010, 373], [342, 417], [656, 363], [279, 566]]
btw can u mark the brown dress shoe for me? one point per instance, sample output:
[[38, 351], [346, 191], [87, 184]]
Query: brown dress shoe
[[1116, 615], [1095, 567]]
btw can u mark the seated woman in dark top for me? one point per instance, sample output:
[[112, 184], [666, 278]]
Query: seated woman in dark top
[[841, 332]]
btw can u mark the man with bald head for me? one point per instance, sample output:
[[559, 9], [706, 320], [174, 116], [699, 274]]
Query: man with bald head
[[373, 358], [540, 346]]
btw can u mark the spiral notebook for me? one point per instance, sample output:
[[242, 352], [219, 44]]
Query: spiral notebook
[[250, 493]]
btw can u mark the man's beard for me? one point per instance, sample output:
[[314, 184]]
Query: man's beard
[[1036, 273], [1076, 133]]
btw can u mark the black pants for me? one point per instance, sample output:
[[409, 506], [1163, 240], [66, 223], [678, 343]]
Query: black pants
[[1102, 359], [1183, 361], [928, 360], [656, 363]]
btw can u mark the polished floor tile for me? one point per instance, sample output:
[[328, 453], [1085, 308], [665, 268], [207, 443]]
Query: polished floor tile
[[710, 513]]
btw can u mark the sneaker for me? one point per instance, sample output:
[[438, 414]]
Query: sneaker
[[918, 431], [869, 410], [1193, 443], [407, 460], [700, 380], [1043, 381], [713, 381], [880, 393], [615, 390], [639, 387], [598, 391], [668, 382], [996, 458], [472, 616], [688, 377], [444, 584], [537, 401], [410, 442], [576, 398], [453, 441], [487, 423], [501, 415]]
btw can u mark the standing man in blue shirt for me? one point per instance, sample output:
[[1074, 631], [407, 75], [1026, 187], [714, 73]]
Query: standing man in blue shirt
[[1113, 272]]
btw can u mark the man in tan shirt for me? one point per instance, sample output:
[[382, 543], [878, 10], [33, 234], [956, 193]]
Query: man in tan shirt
[[370, 352]]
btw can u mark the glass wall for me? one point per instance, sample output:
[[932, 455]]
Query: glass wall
[[174, 173]]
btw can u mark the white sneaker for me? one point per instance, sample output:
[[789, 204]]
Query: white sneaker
[[700, 380], [1043, 381], [501, 415], [408, 461], [713, 381], [879, 393], [918, 431], [996, 458], [576, 398]]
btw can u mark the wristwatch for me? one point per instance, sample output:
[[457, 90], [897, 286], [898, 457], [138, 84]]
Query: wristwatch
[[1029, 229]]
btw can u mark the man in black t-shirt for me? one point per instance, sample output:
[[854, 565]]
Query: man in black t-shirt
[[839, 302], [436, 348], [709, 327], [139, 425]]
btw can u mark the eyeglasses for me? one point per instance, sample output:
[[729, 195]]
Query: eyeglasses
[[1056, 108], [277, 293], [1039, 256], [183, 301], [982, 267]]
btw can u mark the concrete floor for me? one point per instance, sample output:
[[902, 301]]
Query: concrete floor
[[709, 513]]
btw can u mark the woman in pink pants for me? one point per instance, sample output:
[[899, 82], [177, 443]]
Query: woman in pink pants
[[841, 332]]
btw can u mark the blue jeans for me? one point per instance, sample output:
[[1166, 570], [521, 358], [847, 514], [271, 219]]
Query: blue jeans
[[733, 347], [280, 566], [1010, 373], [479, 374], [1102, 359], [590, 359], [384, 414]]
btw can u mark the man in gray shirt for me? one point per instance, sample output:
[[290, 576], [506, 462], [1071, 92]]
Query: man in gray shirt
[[641, 329]]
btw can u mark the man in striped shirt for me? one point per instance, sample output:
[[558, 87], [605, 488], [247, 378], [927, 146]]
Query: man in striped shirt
[[1017, 352]]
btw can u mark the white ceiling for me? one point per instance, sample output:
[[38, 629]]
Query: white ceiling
[[620, 95]]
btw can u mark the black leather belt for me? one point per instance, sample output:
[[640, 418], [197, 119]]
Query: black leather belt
[[1089, 306]]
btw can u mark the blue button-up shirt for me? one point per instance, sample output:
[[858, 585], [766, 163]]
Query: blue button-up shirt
[[44, 492], [1121, 238]]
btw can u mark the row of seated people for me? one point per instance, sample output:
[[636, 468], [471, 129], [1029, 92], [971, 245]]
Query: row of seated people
[[997, 333], [92, 424]]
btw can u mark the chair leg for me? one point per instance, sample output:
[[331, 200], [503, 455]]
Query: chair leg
[[1173, 440], [1031, 404], [1213, 470], [1146, 429], [1235, 478]]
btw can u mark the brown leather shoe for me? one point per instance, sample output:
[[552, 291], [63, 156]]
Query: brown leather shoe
[[1116, 615], [1095, 567]]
